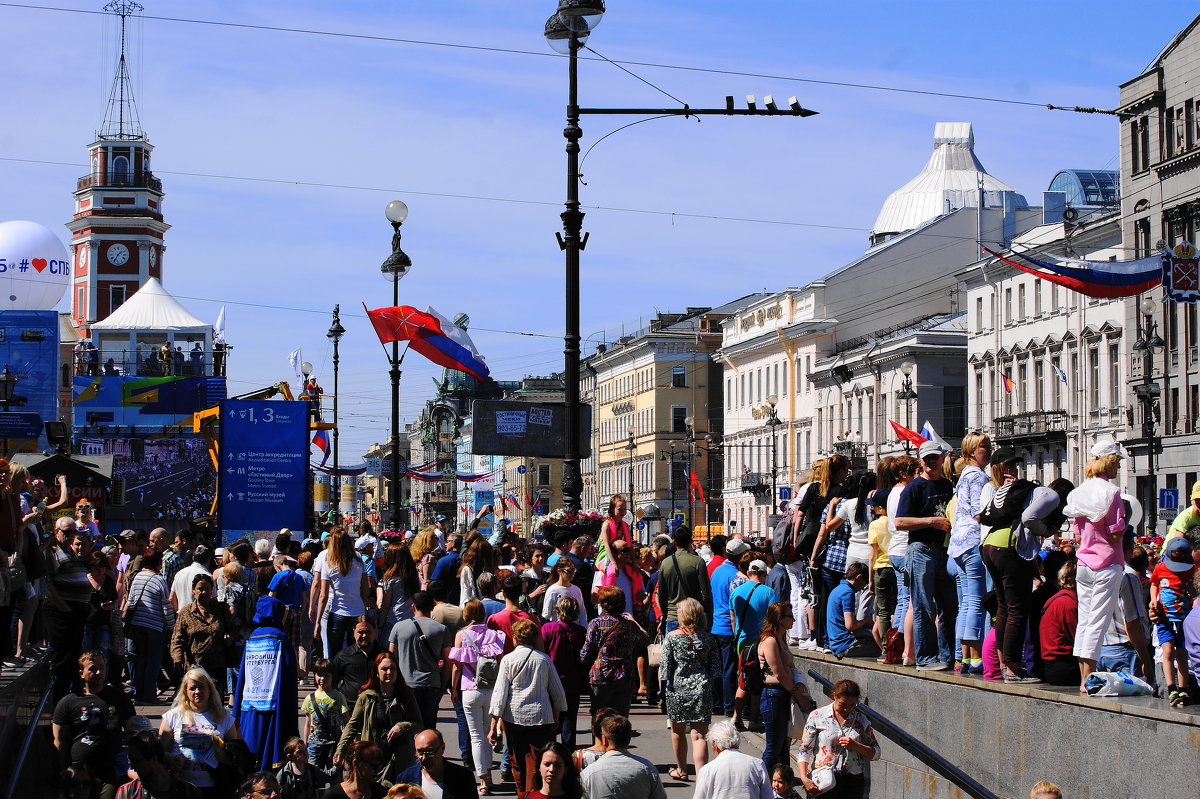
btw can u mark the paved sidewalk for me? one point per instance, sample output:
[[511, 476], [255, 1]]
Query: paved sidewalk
[[652, 742]]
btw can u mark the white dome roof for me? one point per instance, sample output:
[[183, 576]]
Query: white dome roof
[[949, 180]]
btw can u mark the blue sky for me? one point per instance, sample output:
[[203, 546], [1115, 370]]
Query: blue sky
[[436, 126]]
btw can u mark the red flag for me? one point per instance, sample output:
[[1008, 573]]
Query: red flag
[[904, 434], [402, 323], [694, 488]]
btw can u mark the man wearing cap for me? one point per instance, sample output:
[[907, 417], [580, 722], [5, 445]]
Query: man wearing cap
[[922, 513], [440, 524], [177, 557], [722, 582], [1189, 517]]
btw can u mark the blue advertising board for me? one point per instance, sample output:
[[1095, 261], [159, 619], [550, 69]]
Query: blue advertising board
[[29, 348], [264, 466]]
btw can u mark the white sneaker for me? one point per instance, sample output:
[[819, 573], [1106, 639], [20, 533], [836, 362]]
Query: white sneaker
[[808, 644]]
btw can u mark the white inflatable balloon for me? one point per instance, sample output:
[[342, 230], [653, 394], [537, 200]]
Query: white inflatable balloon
[[35, 268]]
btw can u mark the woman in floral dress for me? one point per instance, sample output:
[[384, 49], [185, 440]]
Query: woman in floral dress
[[691, 663], [838, 736]]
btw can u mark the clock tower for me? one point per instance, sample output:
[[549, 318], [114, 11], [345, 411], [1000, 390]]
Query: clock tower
[[117, 230]]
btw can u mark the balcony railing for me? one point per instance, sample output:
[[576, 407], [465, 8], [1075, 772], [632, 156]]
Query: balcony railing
[[851, 449], [127, 180], [1032, 424]]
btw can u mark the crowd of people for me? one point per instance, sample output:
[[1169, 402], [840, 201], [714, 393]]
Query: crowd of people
[[315, 665]]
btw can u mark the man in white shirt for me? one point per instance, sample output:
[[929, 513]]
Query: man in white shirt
[[731, 774], [181, 585]]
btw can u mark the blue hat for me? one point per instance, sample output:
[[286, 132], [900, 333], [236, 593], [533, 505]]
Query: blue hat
[[269, 611], [439, 518], [1177, 554]]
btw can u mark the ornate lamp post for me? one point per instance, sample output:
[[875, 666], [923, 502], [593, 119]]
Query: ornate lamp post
[[632, 447], [336, 331], [773, 423], [395, 267], [1148, 393], [907, 394]]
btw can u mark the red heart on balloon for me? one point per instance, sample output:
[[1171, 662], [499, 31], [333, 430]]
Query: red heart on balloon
[[39, 264]]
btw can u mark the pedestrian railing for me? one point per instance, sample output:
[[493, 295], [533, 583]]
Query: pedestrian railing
[[26, 756], [916, 748]]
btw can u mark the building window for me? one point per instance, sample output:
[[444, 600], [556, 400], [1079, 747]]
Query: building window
[[1053, 297], [1021, 303], [1139, 141], [954, 414], [979, 314], [543, 474], [1037, 298], [1141, 238], [81, 303], [679, 418], [1024, 401], [116, 297], [1114, 375], [1057, 382], [1094, 378], [799, 377], [1039, 383], [1008, 307], [742, 391], [120, 171], [979, 414], [1071, 400], [807, 371], [678, 377]]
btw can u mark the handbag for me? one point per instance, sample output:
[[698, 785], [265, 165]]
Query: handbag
[[797, 721], [824, 778], [654, 652], [893, 647], [127, 612]]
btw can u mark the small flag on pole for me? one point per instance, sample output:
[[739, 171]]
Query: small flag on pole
[[1061, 374], [321, 439], [695, 490], [1007, 382], [904, 434]]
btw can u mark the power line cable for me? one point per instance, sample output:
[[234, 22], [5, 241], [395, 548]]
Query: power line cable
[[513, 51]]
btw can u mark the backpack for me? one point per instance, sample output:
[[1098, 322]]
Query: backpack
[[750, 673], [487, 669], [790, 543]]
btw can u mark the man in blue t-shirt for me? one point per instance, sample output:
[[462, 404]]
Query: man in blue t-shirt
[[446, 569], [721, 582], [747, 609], [841, 618], [922, 513]]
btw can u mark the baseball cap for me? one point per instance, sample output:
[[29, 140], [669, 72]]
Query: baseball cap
[[930, 448], [220, 553], [736, 547], [1107, 445], [439, 518], [1177, 554], [758, 567], [364, 543], [1196, 490]]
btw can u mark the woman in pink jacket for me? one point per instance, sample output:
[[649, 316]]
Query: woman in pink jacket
[[1098, 521]]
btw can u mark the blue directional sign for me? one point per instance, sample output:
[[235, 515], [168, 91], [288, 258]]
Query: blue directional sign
[[640, 525], [785, 492], [1168, 499], [521, 469], [264, 466]]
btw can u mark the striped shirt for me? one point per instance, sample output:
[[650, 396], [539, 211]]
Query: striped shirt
[[148, 599], [69, 575]]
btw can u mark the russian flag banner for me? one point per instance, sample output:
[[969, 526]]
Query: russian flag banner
[[431, 334], [321, 440]]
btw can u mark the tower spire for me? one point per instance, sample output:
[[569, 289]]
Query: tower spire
[[121, 120]]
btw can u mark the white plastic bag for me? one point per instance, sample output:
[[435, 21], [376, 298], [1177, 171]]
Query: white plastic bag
[[1116, 683]]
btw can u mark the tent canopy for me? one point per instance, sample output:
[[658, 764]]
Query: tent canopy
[[152, 308]]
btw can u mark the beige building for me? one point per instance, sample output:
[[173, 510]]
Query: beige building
[[657, 415]]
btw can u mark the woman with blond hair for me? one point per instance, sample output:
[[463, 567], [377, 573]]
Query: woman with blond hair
[[345, 588], [1098, 521], [196, 726], [691, 664], [423, 550], [965, 540]]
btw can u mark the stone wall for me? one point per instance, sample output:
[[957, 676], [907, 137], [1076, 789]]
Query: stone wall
[[1008, 737]]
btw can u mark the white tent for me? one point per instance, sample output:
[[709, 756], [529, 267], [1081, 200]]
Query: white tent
[[152, 308], [131, 338]]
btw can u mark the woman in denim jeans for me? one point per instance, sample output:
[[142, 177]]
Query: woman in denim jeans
[[971, 576], [904, 469], [344, 589], [782, 685]]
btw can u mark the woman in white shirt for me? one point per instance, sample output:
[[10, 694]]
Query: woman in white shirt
[[345, 590], [904, 469], [192, 726], [561, 573], [855, 511], [480, 557], [527, 699]]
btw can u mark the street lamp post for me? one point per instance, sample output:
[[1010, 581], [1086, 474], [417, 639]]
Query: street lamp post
[[632, 447], [773, 423], [336, 331], [907, 394], [1148, 393], [566, 31], [395, 267]]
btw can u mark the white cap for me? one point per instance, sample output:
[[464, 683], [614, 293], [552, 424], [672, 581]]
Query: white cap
[[930, 448], [1107, 445], [758, 567]]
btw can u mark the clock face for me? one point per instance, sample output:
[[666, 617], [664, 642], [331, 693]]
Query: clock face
[[83, 256], [118, 254], [153, 257]]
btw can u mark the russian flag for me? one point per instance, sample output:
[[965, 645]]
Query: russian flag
[[431, 334], [321, 439]]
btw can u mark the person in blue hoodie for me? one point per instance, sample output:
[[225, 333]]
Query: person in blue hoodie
[[264, 702]]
